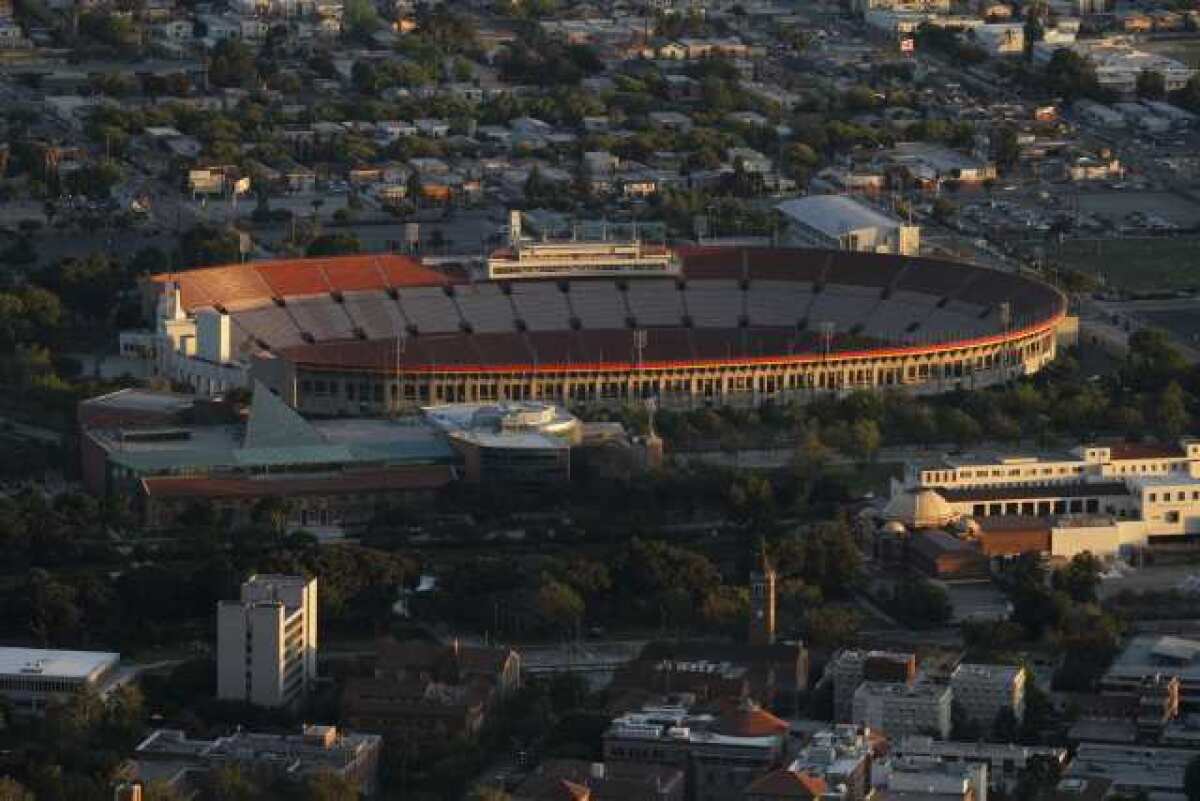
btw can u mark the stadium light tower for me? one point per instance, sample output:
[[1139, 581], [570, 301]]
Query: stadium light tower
[[827, 329]]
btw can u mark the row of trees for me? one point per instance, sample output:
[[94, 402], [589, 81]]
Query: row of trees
[[647, 583]]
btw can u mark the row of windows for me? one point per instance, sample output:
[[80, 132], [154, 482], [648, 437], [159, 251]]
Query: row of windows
[[1180, 495]]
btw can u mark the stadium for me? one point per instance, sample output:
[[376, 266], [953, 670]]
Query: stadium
[[362, 335]]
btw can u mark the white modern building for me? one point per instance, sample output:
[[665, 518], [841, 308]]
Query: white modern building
[[32, 678], [1099, 498], [903, 709], [838, 221], [267, 641], [984, 690]]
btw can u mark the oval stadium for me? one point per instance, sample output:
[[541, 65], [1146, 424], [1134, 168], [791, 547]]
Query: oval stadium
[[361, 335]]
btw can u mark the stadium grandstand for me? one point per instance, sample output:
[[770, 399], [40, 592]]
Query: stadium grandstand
[[375, 334]]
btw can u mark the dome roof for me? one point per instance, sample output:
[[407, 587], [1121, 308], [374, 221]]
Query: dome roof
[[893, 527], [920, 508], [748, 719]]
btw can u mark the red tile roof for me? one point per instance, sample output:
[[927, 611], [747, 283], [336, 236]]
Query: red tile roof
[[1146, 450], [788, 784], [748, 719]]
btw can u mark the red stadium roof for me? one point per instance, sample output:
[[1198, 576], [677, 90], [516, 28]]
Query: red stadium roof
[[244, 284]]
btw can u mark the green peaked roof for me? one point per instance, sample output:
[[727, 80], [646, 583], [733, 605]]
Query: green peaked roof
[[274, 424]]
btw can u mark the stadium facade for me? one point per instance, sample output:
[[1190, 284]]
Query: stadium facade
[[374, 334]]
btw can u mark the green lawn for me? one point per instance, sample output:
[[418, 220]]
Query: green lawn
[[1136, 264]]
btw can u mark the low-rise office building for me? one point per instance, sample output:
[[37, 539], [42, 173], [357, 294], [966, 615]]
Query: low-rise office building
[[33, 678], [722, 754], [1147, 656], [929, 779], [1005, 761], [429, 692], [558, 779], [1133, 768], [850, 668], [172, 757], [841, 757], [901, 709], [984, 691]]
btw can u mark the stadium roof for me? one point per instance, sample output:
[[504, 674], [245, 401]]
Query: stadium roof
[[237, 284], [835, 215]]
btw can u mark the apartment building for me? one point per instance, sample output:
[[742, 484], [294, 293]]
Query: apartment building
[[984, 691], [267, 641], [850, 668], [903, 709]]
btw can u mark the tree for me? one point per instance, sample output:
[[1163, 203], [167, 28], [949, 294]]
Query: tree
[[326, 785], [1006, 147], [1080, 578], [232, 64], [1151, 85], [336, 244], [865, 439], [229, 783], [559, 604], [1171, 412], [203, 245], [921, 603], [360, 18], [483, 792], [13, 790]]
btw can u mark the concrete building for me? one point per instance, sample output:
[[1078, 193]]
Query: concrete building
[[838, 221], [1133, 768], [901, 709], [722, 754], [986, 690], [32, 678], [513, 442], [841, 757], [929, 779], [1005, 761], [850, 668], [1147, 656], [558, 779], [267, 641], [172, 757], [430, 692]]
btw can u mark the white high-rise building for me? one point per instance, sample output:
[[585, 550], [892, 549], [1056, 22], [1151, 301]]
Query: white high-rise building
[[267, 641]]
